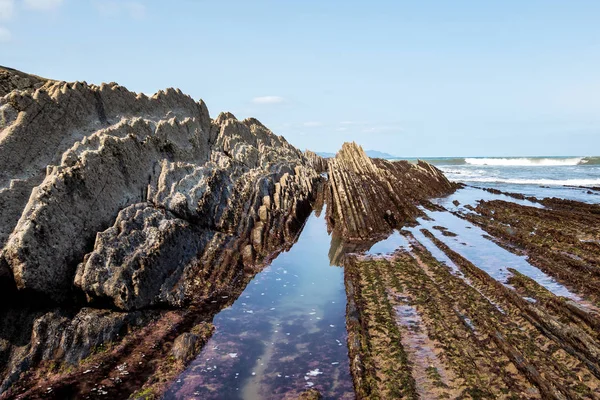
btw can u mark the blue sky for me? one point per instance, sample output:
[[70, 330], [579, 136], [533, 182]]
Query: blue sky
[[411, 78]]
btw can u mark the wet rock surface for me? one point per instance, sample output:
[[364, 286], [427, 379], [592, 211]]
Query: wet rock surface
[[431, 320], [58, 338], [311, 394], [561, 239], [417, 329]]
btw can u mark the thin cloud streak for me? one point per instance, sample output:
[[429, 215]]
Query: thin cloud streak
[[313, 124], [268, 100]]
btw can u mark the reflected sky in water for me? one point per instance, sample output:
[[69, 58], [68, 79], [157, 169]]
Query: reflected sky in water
[[470, 242], [284, 334]]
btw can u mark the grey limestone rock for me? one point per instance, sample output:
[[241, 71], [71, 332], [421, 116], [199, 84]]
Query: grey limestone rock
[[114, 204], [139, 261], [122, 176]]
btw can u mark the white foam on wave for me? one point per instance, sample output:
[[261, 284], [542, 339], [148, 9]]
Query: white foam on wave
[[524, 162], [464, 172], [541, 182]]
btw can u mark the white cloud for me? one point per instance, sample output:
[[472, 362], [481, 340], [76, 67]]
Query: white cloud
[[342, 129], [382, 129], [312, 124], [268, 100], [43, 5], [348, 123], [114, 8], [7, 9], [5, 35]]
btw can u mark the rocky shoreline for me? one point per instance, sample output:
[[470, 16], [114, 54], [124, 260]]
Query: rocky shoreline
[[427, 322], [128, 222], [122, 217]]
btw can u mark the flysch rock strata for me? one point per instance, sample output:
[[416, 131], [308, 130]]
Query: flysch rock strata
[[316, 161], [117, 202], [87, 152], [370, 197], [127, 222]]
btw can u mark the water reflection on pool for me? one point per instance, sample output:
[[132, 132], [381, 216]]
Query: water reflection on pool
[[284, 334]]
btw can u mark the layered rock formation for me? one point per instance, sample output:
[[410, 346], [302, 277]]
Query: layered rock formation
[[370, 197], [561, 239], [416, 329], [433, 318], [127, 222], [105, 149], [118, 201], [316, 161]]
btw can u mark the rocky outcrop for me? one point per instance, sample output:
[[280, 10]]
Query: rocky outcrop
[[11, 79], [29, 337], [370, 197], [117, 202], [105, 149], [316, 161], [101, 148], [139, 261]]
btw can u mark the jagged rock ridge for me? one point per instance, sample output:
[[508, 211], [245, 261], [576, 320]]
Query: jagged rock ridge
[[370, 197], [105, 149], [317, 162], [120, 201]]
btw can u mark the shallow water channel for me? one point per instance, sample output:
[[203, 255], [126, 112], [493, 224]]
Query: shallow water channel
[[284, 334], [471, 242]]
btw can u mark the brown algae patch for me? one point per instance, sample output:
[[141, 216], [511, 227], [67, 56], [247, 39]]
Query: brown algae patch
[[448, 331]]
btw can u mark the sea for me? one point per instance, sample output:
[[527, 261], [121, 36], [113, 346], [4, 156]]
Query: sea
[[574, 178]]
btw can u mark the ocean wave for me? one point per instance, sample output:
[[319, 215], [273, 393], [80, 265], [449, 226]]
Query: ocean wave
[[463, 173], [462, 170], [516, 161], [524, 162], [540, 182]]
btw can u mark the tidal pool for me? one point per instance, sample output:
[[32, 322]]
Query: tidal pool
[[471, 243], [393, 242], [472, 195], [285, 333]]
